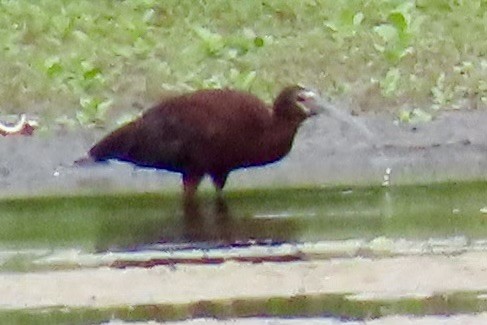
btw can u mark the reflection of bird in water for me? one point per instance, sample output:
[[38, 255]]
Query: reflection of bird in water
[[211, 234], [198, 224], [210, 132], [222, 228]]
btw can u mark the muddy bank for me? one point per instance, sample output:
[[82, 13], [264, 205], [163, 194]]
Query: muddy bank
[[326, 152], [358, 278]]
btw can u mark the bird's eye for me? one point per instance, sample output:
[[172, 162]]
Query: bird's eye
[[301, 98]]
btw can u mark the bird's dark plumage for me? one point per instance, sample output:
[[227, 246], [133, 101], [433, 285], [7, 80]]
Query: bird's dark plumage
[[210, 132]]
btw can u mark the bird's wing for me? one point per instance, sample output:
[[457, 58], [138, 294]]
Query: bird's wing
[[212, 114], [188, 130]]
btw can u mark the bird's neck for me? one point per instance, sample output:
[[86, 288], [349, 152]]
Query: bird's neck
[[278, 139]]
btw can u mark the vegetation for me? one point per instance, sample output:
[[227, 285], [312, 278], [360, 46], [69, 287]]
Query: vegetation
[[88, 61]]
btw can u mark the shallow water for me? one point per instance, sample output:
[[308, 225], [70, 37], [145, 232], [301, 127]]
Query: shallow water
[[145, 230], [129, 222]]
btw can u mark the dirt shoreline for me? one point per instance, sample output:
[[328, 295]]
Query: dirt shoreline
[[451, 148], [359, 278]]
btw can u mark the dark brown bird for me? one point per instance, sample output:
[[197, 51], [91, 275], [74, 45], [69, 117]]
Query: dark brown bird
[[210, 132]]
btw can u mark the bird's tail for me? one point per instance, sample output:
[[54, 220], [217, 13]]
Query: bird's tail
[[113, 146], [85, 161]]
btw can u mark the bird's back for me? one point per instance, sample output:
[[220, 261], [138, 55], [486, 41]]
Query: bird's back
[[203, 130], [212, 111]]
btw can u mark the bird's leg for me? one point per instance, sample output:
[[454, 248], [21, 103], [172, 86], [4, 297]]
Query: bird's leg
[[190, 184], [219, 181]]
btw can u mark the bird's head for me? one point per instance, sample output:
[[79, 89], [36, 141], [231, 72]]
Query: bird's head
[[297, 103]]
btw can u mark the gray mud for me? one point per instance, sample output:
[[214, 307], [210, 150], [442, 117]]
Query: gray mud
[[326, 152]]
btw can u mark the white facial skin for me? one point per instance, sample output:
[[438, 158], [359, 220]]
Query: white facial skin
[[309, 102]]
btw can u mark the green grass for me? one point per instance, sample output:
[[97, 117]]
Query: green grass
[[91, 62]]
